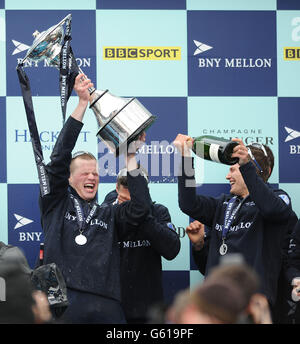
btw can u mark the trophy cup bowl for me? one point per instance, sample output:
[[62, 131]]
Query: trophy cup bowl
[[120, 120]]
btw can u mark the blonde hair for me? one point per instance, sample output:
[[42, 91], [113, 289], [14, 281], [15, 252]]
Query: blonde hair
[[83, 156]]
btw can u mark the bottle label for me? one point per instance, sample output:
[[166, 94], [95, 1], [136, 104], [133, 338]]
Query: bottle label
[[213, 152]]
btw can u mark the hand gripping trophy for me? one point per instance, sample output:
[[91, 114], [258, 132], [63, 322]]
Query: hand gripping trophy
[[120, 120]]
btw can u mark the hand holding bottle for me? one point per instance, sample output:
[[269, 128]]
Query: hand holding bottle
[[213, 148], [184, 144], [240, 151]]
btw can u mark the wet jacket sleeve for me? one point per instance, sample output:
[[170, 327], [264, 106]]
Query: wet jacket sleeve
[[58, 169], [198, 207], [159, 230], [134, 212], [273, 206]]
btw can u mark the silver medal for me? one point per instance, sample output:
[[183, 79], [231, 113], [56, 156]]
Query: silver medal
[[80, 239], [223, 249]]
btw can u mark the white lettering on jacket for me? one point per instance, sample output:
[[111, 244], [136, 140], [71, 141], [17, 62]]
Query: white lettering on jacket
[[134, 244], [241, 225], [93, 222]]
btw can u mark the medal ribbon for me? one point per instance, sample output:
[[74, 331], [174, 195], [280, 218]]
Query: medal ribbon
[[81, 220], [34, 134], [229, 216], [68, 70]]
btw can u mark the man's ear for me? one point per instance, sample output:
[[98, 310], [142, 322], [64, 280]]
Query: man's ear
[[117, 189]]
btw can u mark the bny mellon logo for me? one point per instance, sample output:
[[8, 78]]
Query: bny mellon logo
[[201, 47], [19, 47], [22, 221], [292, 134]]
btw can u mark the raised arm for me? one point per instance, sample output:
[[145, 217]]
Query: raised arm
[[58, 169], [274, 206], [198, 207], [137, 209]]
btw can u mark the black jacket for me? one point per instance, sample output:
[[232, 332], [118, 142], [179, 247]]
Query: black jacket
[[293, 261], [257, 231], [93, 267], [141, 251]]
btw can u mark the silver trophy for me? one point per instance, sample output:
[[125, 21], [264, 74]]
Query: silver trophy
[[120, 120]]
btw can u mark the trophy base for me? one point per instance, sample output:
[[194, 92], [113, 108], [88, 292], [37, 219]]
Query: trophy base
[[113, 141]]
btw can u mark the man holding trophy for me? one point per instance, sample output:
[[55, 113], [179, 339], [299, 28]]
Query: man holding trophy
[[81, 237]]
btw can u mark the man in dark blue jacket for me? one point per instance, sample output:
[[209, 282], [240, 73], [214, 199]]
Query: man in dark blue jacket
[[141, 250], [80, 235], [252, 220]]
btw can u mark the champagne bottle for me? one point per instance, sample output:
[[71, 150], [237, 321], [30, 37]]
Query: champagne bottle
[[215, 149]]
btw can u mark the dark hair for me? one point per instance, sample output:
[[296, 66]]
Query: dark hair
[[265, 162], [242, 275], [122, 176], [221, 299], [122, 181]]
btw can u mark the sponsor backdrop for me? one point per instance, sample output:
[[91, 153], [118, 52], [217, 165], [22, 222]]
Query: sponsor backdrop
[[225, 68]]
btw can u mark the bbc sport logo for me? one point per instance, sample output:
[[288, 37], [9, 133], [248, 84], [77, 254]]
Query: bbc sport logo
[[291, 53], [141, 53]]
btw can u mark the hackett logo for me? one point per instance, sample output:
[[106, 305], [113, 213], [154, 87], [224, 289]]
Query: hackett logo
[[47, 137], [232, 62]]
